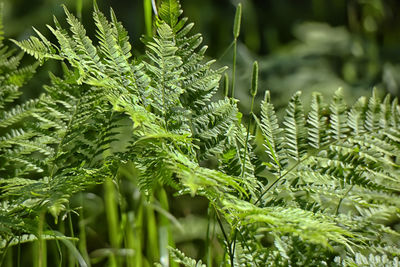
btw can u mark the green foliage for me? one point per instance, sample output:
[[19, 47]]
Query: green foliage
[[324, 183], [180, 257]]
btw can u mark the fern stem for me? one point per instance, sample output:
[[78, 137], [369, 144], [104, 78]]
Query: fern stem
[[246, 245], [59, 145], [253, 92], [228, 243], [295, 166], [225, 51], [341, 199], [72, 261]]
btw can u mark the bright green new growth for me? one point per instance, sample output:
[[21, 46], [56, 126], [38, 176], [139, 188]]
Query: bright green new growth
[[324, 190]]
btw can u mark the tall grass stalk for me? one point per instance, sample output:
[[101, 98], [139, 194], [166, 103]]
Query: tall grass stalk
[[165, 234], [111, 207], [148, 17], [152, 237], [129, 238], [41, 243], [71, 259], [236, 32], [210, 215], [79, 4], [137, 222], [82, 234]]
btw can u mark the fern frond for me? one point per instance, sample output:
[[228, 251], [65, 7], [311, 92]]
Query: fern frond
[[181, 258], [36, 48], [272, 134], [317, 123], [295, 129], [18, 113], [338, 122], [169, 12]]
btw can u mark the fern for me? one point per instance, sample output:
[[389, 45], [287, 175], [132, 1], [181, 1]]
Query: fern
[[340, 166]]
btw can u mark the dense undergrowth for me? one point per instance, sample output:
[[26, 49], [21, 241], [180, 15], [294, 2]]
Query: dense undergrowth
[[315, 189]]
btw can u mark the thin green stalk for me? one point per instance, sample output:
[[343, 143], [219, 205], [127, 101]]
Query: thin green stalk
[[112, 218], [248, 133], [71, 261], [234, 68], [291, 169], [3, 255], [342, 198], [129, 238], [60, 261], [79, 4], [236, 32], [208, 238], [226, 85], [148, 20], [225, 51], [152, 235], [42, 250], [253, 92], [9, 259], [82, 234], [138, 222], [228, 243], [18, 253], [165, 234]]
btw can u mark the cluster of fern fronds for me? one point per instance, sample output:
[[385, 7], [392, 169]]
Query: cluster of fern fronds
[[318, 188]]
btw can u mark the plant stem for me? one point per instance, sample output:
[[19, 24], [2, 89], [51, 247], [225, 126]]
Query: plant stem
[[79, 9], [236, 32], [210, 215], [82, 233], [148, 13], [42, 251], [152, 239], [112, 217], [229, 244], [165, 235], [342, 198], [234, 68], [3, 254], [247, 138]]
